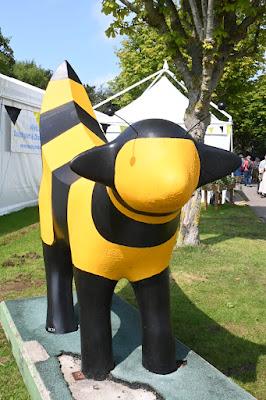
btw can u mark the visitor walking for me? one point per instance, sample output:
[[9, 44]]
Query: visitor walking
[[238, 173], [247, 168], [262, 174]]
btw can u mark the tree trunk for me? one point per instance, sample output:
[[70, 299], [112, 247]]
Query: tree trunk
[[189, 222], [196, 120]]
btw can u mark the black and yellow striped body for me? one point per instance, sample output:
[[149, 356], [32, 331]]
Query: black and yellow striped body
[[68, 127], [111, 210], [78, 211]]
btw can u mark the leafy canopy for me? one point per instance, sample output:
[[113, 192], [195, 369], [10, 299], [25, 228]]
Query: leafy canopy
[[143, 53], [6, 55], [200, 36], [29, 72]]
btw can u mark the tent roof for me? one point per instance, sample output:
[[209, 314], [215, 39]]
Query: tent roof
[[16, 92], [161, 100], [106, 119]]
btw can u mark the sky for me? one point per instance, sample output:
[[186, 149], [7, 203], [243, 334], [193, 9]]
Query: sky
[[51, 31]]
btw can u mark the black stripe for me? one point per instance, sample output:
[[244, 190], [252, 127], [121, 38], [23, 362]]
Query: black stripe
[[62, 179], [60, 119], [65, 71], [148, 214], [152, 128], [120, 229]]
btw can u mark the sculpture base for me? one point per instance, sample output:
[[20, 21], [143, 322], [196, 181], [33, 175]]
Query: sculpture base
[[50, 363]]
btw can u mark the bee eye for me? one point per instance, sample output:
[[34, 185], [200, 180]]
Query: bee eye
[[132, 160]]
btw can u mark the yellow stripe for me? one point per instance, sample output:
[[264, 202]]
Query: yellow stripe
[[92, 253], [139, 217], [69, 144], [62, 91]]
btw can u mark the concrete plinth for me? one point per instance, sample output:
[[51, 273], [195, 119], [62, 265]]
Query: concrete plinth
[[50, 363]]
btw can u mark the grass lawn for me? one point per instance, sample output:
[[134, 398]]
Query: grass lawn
[[217, 292]]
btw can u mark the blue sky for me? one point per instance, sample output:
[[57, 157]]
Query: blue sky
[[51, 31]]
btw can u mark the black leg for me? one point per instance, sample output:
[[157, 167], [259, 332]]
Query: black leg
[[95, 297], [158, 343], [59, 277]]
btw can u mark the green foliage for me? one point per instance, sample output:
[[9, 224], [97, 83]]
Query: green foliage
[[250, 119], [29, 72], [142, 53], [244, 97], [6, 55], [198, 47], [98, 94], [223, 182]]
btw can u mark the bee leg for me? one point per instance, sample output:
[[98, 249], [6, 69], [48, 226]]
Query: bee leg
[[158, 342], [95, 298], [59, 276]]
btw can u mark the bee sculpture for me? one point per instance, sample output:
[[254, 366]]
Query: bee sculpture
[[110, 211]]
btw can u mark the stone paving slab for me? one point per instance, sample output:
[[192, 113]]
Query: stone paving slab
[[39, 358]]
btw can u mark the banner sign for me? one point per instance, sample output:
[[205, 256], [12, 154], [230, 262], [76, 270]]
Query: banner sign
[[25, 134]]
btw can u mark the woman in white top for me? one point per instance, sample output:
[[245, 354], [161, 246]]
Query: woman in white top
[[262, 172]]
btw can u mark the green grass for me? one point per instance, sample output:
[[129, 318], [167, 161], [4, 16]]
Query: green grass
[[217, 293], [17, 220]]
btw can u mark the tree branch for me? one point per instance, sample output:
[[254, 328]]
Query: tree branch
[[210, 20], [217, 73], [194, 49], [249, 51], [196, 18], [154, 16], [181, 64], [242, 28], [131, 6], [175, 20], [204, 14]]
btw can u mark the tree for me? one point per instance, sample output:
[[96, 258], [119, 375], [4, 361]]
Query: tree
[[243, 89], [141, 54], [6, 55], [29, 72], [98, 94], [250, 119], [201, 36]]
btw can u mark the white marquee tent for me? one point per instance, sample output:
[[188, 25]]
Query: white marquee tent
[[20, 103], [20, 162], [162, 99], [20, 158]]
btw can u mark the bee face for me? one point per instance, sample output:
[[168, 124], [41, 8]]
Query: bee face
[[155, 166], [157, 175]]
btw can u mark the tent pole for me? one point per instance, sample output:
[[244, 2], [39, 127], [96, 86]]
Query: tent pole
[[155, 80], [127, 89]]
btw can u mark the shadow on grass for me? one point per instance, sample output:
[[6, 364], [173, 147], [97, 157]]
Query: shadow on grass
[[231, 222], [232, 355], [18, 220]]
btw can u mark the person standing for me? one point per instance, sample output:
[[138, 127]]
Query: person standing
[[255, 172], [238, 173], [247, 167], [262, 172]]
